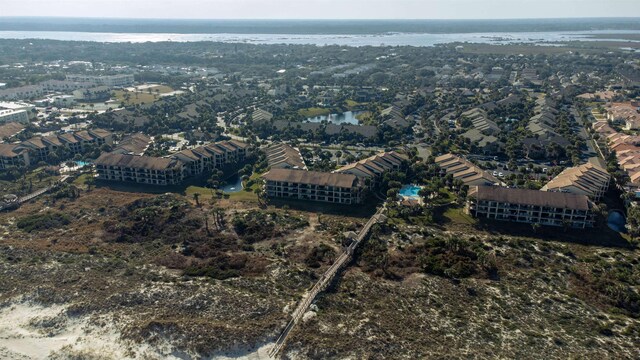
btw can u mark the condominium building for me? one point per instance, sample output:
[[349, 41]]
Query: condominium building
[[20, 116], [464, 170], [626, 113], [530, 206], [283, 156], [260, 115], [139, 169], [375, 166], [9, 130], [98, 93], [120, 80], [13, 155], [588, 179], [172, 169], [134, 144], [480, 120], [313, 186], [76, 142], [211, 156]]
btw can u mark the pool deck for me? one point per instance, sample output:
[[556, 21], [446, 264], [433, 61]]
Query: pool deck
[[408, 199]]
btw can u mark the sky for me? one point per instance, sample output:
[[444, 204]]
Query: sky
[[322, 9]]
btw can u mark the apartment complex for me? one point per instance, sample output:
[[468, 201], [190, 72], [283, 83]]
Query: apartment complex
[[170, 170], [530, 206], [480, 121], [626, 150], [98, 93], [13, 155], [375, 166], [75, 142], [139, 169], [16, 112], [211, 156], [72, 82], [111, 81], [312, 185], [260, 115], [20, 116], [283, 156], [590, 179], [464, 170], [9, 130], [134, 144], [288, 178], [626, 113]]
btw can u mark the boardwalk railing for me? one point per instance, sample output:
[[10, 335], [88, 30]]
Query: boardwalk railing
[[42, 191], [323, 282]]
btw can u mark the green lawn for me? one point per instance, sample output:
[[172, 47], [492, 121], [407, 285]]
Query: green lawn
[[458, 216], [244, 196], [136, 98], [313, 112], [80, 180], [352, 103], [206, 193]]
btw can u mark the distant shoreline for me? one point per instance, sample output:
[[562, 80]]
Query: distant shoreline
[[353, 40], [312, 27]]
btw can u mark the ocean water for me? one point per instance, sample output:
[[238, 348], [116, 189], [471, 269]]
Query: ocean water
[[373, 39]]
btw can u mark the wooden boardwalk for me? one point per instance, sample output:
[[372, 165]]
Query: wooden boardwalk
[[323, 282], [42, 191]]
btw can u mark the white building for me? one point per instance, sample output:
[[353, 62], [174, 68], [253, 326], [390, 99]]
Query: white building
[[20, 116], [112, 81]]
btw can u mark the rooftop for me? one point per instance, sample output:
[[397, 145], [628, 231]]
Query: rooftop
[[530, 197], [137, 162], [311, 177]]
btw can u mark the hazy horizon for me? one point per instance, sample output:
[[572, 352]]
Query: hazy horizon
[[317, 19], [324, 9]]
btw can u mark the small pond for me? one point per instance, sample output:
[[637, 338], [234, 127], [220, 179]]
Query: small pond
[[348, 117], [234, 184]]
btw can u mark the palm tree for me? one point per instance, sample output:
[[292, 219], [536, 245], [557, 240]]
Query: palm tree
[[535, 227], [196, 197]]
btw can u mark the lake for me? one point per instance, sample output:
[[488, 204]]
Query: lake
[[355, 40], [348, 117]]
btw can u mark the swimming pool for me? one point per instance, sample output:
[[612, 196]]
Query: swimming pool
[[410, 191]]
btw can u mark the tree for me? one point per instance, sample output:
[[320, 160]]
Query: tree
[[633, 221], [196, 197], [535, 227]]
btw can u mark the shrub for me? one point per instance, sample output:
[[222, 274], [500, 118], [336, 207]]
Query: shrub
[[47, 220]]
